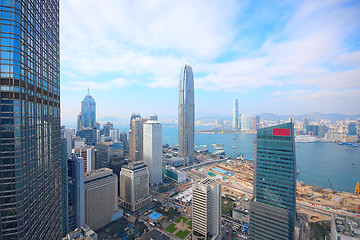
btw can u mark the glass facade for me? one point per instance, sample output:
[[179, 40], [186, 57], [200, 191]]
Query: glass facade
[[88, 112], [186, 114], [30, 165], [274, 183]]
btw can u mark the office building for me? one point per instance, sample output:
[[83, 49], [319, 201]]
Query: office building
[[78, 122], [255, 123], [30, 159], [351, 128], [89, 134], [235, 123], [88, 154], [134, 116], [273, 209], [124, 140], [88, 112], [134, 186], [76, 197], [152, 150], [154, 117], [114, 134], [136, 139], [64, 188], [176, 175], [68, 136], [102, 158], [186, 114], [245, 122], [305, 124], [101, 198], [206, 210], [107, 127]]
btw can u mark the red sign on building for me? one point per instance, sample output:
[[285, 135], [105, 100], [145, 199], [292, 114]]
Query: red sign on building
[[281, 132]]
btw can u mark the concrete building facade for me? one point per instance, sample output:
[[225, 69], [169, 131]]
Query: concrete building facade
[[152, 150], [101, 198], [206, 210], [134, 186], [235, 124], [136, 139]]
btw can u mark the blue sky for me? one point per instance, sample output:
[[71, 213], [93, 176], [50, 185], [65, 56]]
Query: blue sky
[[283, 57]]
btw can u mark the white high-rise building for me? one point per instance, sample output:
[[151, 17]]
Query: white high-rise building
[[245, 122], [206, 209], [235, 124], [152, 150], [186, 114]]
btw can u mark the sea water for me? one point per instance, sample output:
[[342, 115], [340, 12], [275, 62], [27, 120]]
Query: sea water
[[317, 162]]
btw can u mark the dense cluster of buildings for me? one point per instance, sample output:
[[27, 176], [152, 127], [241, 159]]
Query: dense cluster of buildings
[[58, 182]]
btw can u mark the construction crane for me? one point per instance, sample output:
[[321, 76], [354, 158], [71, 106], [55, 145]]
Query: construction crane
[[333, 191], [357, 190]]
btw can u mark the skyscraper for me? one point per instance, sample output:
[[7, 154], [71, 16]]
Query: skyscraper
[[30, 172], [76, 194], [101, 198], [152, 150], [134, 186], [245, 122], [206, 210], [235, 115], [273, 210], [136, 139], [88, 112], [186, 114]]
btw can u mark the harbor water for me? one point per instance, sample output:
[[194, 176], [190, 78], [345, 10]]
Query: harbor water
[[317, 162]]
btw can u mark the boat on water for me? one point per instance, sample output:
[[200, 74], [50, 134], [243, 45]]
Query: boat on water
[[297, 171], [220, 144], [221, 152], [346, 148], [205, 146], [214, 145], [203, 150], [218, 148], [234, 147]]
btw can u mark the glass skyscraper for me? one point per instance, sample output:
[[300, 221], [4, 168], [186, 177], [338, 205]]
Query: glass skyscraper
[[30, 165], [273, 210], [186, 114], [235, 124], [88, 112]]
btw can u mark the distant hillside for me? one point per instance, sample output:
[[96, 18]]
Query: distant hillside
[[313, 117]]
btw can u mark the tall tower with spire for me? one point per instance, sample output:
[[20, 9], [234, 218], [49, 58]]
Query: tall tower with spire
[[186, 114], [88, 111]]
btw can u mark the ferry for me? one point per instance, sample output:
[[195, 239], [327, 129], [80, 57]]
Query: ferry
[[234, 147], [218, 148], [214, 145]]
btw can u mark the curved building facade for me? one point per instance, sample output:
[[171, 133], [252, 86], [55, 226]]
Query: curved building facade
[[186, 114]]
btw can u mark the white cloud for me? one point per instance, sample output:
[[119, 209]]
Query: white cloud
[[104, 85]]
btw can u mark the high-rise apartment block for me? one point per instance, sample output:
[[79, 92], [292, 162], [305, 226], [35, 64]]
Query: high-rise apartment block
[[136, 139], [30, 171], [186, 114], [88, 112], [76, 192], [152, 150], [273, 210], [134, 186], [101, 198], [235, 124], [206, 210]]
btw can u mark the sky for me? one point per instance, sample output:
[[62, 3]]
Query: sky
[[281, 57]]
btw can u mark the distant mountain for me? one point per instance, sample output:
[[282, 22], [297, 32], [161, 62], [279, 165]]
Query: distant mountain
[[313, 117]]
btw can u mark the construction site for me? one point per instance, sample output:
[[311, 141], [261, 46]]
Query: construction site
[[317, 203]]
